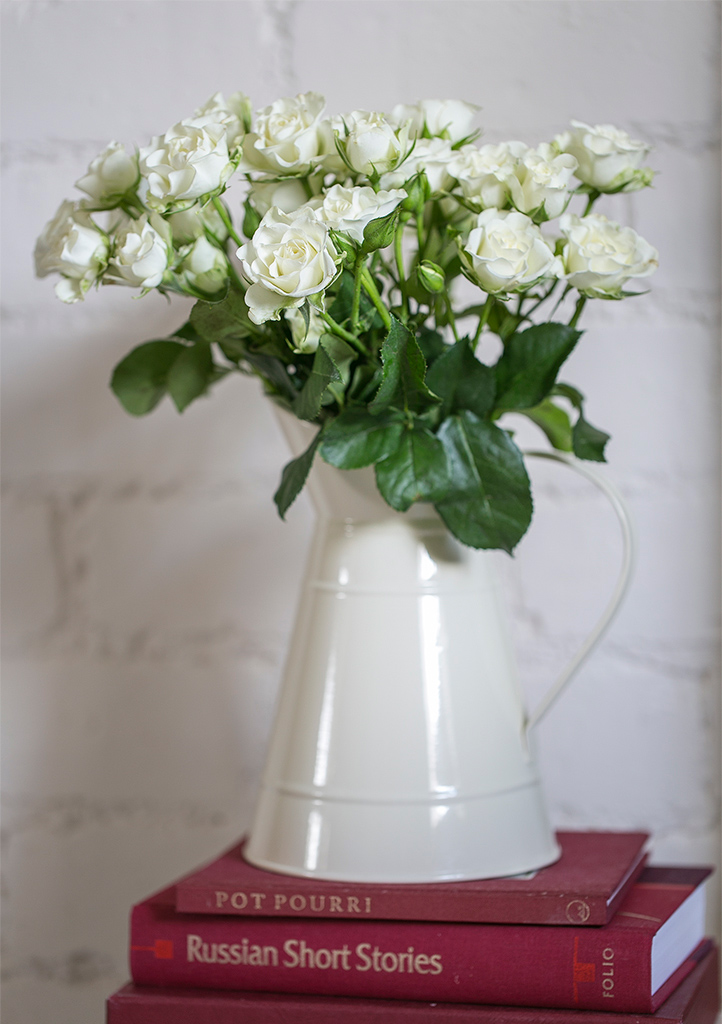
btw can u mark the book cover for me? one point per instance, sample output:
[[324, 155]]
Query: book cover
[[694, 1001], [630, 964], [584, 887]]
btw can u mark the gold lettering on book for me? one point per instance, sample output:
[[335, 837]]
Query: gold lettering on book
[[608, 973], [297, 903], [241, 953], [299, 954], [409, 962], [240, 900]]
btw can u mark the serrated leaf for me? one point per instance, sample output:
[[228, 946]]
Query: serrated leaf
[[404, 369], [218, 321], [139, 380], [344, 358], [415, 471], [187, 331], [273, 374], [307, 403], [294, 476], [190, 375], [529, 364], [489, 504], [356, 438], [431, 343], [588, 442], [462, 382], [554, 422]]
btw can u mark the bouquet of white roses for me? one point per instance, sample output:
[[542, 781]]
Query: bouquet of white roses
[[336, 286]]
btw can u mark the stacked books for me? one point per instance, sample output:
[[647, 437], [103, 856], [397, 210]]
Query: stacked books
[[598, 937]]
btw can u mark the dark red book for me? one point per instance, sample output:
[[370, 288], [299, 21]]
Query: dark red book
[[629, 965], [584, 887], [695, 1001]]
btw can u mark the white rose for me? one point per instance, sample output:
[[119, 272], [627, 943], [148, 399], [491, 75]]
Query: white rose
[[485, 173], [448, 119], [506, 252], [305, 341], [609, 159], [187, 225], [329, 129], [433, 157], [351, 209], [286, 136], [541, 177], [205, 268], [600, 256], [234, 115], [287, 195], [71, 245], [189, 161], [142, 251], [289, 258], [372, 144], [110, 175]]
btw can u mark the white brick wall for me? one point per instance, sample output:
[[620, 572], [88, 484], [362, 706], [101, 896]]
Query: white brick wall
[[148, 587]]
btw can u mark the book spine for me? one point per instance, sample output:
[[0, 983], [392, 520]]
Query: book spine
[[576, 968], [393, 905]]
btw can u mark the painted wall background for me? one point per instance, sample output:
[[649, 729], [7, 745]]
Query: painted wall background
[[148, 586]]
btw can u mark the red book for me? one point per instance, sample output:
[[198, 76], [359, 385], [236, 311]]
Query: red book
[[694, 1001], [584, 887], [631, 964]]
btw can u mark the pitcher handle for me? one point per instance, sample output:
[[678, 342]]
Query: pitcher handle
[[625, 574]]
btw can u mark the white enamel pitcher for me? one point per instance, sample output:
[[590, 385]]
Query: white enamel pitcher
[[400, 748]]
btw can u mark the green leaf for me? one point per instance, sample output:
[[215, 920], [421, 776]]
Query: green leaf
[[139, 380], [554, 422], [190, 374], [404, 369], [356, 438], [187, 331], [501, 320], [528, 366], [588, 442], [489, 504], [415, 471], [343, 357], [461, 381], [273, 373], [431, 343], [307, 403], [294, 476], [222, 321]]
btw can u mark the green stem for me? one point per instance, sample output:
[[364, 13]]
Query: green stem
[[538, 303], [398, 252], [341, 332], [356, 304], [581, 302], [450, 315], [223, 214], [485, 313], [593, 196], [373, 293]]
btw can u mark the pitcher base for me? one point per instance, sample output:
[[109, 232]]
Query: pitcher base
[[395, 842]]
